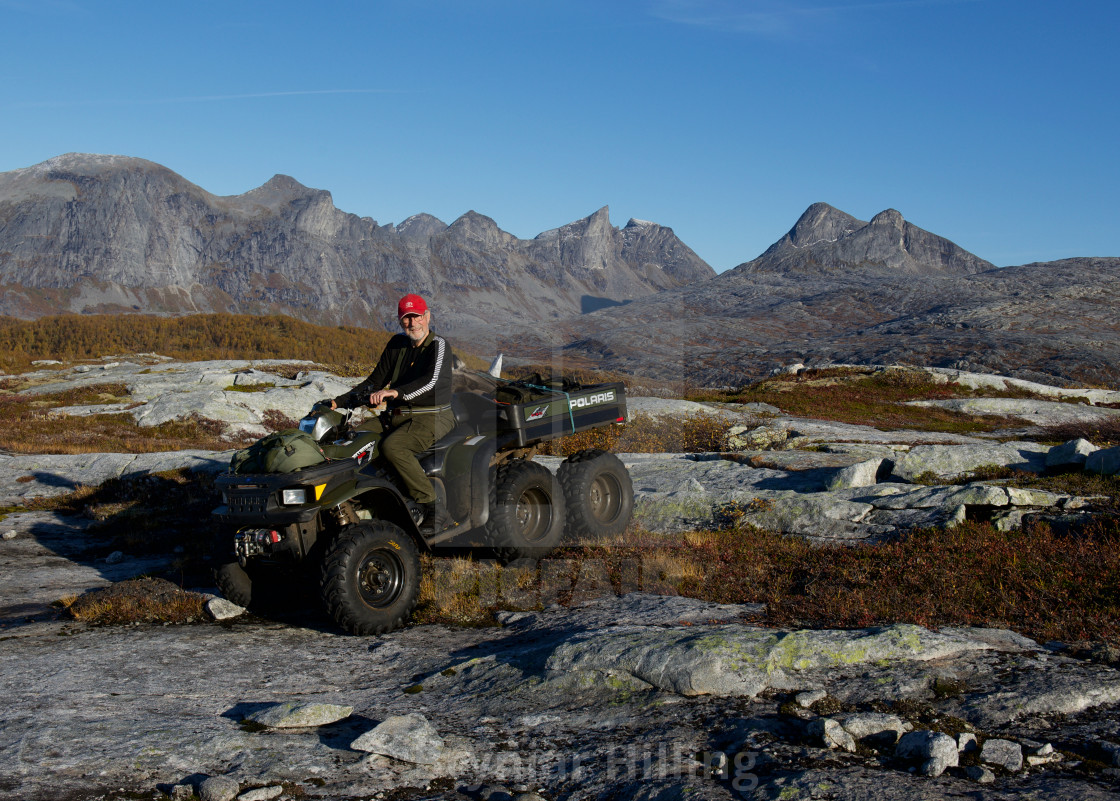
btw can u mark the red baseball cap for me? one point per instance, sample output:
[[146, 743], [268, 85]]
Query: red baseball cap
[[411, 304]]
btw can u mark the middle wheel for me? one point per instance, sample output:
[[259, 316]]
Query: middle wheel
[[526, 511]]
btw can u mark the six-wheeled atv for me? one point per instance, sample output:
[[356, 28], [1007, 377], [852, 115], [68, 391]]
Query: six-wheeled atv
[[343, 511]]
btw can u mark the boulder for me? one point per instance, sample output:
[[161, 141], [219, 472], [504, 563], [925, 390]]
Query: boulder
[[219, 788], [408, 738], [1071, 454], [1105, 462], [1005, 753], [862, 474], [832, 735], [935, 752]]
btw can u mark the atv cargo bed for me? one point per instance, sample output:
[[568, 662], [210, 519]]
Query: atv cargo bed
[[556, 414]]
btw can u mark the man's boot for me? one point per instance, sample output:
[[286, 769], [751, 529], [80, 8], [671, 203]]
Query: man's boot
[[435, 518]]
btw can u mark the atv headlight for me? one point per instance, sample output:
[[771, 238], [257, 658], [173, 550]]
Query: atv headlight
[[297, 496], [293, 497]]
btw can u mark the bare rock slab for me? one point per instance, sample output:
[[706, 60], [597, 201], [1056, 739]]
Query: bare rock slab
[[953, 461], [1105, 462], [734, 660]]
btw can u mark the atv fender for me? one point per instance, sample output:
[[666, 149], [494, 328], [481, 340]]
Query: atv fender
[[381, 497], [480, 483]]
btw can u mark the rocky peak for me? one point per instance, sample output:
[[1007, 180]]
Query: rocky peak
[[820, 223], [889, 218], [477, 229], [279, 191], [825, 240], [421, 227]]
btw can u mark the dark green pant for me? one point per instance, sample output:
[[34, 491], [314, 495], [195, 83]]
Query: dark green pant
[[407, 437]]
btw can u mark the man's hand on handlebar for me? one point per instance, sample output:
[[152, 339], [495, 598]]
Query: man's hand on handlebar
[[382, 395]]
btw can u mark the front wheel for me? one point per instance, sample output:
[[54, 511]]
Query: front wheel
[[526, 511], [371, 578]]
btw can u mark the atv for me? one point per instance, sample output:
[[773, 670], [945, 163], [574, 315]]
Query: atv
[[319, 500]]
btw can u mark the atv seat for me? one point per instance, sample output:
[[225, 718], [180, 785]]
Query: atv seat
[[476, 411], [475, 415]]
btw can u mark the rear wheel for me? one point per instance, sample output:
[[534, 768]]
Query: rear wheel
[[598, 494], [234, 583], [371, 578], [526, 511]]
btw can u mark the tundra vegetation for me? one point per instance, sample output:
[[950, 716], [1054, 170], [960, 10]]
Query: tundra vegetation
[[1046, 582]]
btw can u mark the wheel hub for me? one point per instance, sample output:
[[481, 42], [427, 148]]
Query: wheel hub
[[534, 514], [604, 496], [380, 578]]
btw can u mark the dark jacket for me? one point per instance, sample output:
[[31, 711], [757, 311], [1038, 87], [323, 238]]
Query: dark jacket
[[422, 375]]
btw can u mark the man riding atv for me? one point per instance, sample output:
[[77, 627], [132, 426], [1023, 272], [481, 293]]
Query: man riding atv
[[413, 377]]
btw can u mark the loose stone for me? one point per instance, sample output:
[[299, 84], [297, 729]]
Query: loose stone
[[881, 728], [221, 609], [979, 774], [262, 793], [1005, 753], [408, 738], [936, 751], [809, 697], [832, 735], [218, 788], [292, 715]]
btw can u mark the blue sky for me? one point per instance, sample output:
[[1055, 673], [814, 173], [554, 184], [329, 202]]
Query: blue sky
[[991, 122]]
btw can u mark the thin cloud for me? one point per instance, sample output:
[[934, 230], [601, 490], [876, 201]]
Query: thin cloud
[[200, 98], [252, 95], [770, 17], [64, 7]]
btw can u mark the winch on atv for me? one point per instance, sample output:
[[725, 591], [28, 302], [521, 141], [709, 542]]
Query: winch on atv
[[319, 497]]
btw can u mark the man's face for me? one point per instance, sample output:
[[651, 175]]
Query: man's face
[[416, 326]]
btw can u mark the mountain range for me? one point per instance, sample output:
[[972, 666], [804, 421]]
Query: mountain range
[[86, 233], [89, 233]]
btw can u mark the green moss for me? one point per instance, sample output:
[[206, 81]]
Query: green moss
[[250, 387], [415, 688], [948, 687]]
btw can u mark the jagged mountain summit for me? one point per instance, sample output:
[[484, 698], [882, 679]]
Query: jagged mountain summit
[[826, 240], [92, 233]]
